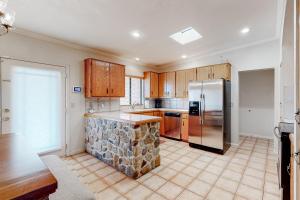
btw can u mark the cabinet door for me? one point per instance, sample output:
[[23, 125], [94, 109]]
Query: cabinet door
[[162, 123], [203, 73], [100, 79], [147, 113], [184, 127], [150, 85], [156, 113], [221, 71], [154, 85], [180, 84], [162, 84], [190, 75], [117, 80], [171, 84]]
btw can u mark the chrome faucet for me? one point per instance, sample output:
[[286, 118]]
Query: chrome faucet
[[132, 106]]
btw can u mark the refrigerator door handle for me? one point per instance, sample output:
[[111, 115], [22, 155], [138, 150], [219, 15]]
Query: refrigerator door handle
[[203, 110]]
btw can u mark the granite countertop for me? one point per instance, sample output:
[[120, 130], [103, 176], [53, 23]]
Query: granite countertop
[[134, 119], [156, 109]]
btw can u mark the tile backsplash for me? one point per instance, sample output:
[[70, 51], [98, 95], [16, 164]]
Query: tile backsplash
[[174, 103], [113, 104], [102, 104]]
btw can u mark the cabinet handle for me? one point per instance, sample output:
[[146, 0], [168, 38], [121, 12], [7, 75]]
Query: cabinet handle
[[183, 123], [213, 75], [106, 90]]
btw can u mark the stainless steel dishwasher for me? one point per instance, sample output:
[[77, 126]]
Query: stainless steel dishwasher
[[172, 125]]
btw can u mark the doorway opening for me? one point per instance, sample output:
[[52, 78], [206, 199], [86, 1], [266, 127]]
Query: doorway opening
[[256, 103], [33, 103]]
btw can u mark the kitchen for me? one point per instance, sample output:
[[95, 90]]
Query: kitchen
[[145, 93]]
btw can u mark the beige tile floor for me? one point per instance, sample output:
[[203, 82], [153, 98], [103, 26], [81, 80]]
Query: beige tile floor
[[244, 172]]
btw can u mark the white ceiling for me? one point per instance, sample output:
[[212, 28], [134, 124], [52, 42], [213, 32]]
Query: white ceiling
[[106, 24]]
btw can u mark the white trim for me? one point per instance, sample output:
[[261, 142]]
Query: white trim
[[256, 136], [66, 70], [67, 115], [235, 144]]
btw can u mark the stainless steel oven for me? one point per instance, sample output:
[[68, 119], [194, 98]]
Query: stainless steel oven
[[172, 125]]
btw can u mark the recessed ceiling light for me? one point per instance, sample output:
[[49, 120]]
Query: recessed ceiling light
[[186, 36], [137, 59], [184, 56], [136, 34], [245, 30]]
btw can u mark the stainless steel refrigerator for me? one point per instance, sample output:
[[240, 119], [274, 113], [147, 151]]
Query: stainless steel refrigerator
[[209, 115]]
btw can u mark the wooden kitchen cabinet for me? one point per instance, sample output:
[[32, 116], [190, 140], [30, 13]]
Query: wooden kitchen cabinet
[[162, 123], [222, 71], [203, 73], [182, 82], [214, 72], [162, 85], [151, 84], [167, 83], [147, 113], [100, 79], [171, 83], [185, 127], [117, 74]]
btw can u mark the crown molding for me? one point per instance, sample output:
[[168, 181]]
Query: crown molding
[[50, 39], [214, 53]]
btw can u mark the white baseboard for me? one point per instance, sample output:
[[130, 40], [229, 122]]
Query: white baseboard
[[257, 136], [77, 151], [234, 144]]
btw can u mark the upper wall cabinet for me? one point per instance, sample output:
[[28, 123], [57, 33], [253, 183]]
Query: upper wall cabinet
[[103, 79], [151, 85], [167, 82], [182, 82], [214, 72], [162, 86]]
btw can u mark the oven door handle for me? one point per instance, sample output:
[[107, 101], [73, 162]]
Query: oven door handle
[[276, 132]]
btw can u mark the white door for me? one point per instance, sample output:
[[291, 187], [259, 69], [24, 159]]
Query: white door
[[33, 103]]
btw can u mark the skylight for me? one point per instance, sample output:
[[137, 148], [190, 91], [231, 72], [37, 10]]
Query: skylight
[[186, 36]]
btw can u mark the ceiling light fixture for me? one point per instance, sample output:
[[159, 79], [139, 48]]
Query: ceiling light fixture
[[137, 59], [245, 30], [135, 34], [7, 18], [184, 56], [186, 36]]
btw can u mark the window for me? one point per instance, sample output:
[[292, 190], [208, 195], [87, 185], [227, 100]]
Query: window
[[133, 91]]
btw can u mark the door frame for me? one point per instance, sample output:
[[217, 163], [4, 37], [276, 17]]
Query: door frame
[[64, 149], [297, 96]]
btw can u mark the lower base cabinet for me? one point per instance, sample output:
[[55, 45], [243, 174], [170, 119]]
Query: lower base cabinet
[[184, 127], [184, 123]]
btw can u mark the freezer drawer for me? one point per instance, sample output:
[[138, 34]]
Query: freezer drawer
[[212, 130], [195, 129]]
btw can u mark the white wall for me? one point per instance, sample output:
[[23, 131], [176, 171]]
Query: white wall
[[287, 66], [260, 56], [256, 103], [58, 53]]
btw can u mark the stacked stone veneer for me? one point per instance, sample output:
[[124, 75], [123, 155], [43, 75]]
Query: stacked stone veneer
[[132, 149]]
